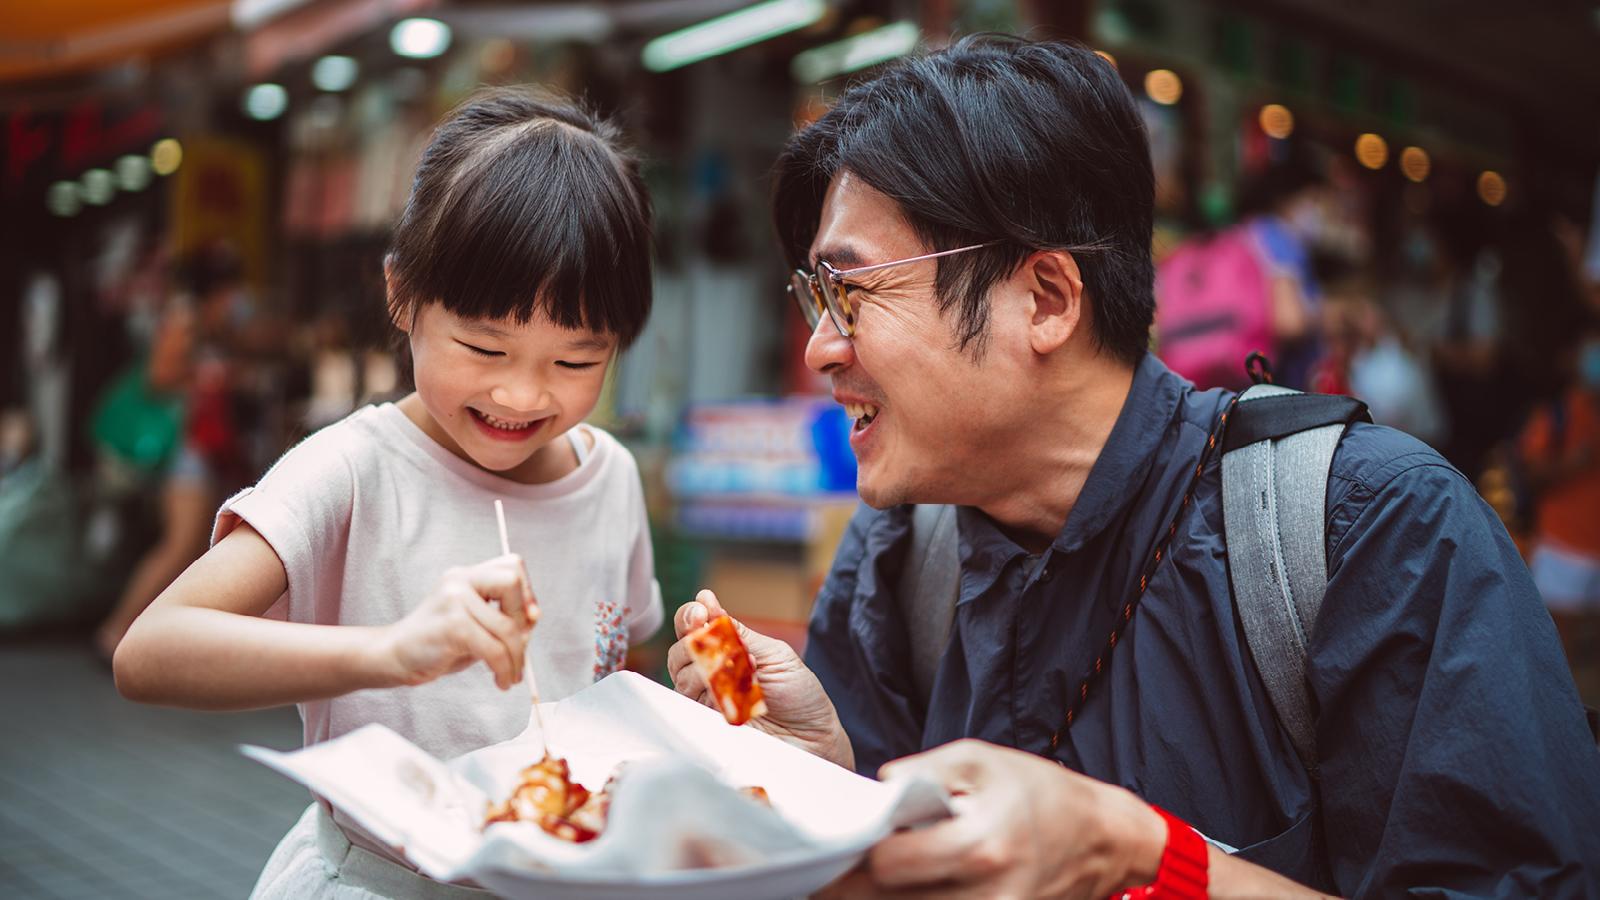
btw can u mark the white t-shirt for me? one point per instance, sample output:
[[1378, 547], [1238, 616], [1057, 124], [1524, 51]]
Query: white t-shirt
[[368, 513]]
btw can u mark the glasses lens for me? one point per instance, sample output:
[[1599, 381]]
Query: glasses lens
[[837, 298], [806, 296]]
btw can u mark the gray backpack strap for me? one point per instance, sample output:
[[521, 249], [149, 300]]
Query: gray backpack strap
[[930, 582], [1274, 497]]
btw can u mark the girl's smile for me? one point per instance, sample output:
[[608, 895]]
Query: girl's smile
[[496, 428]]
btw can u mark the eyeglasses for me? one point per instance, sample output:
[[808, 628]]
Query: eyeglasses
[[825, 290]]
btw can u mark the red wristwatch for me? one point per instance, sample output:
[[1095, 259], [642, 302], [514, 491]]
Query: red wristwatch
[[1184, 864]]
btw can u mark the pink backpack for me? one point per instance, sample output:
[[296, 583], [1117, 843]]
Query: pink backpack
[[1213, 308]]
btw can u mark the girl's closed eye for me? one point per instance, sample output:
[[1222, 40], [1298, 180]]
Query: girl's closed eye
[[480, 351], [579, 366]]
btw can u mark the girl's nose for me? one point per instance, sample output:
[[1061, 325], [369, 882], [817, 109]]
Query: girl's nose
[[523, 395], [827, 349]]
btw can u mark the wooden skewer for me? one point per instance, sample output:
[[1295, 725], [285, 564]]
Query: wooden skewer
[[527, 657]]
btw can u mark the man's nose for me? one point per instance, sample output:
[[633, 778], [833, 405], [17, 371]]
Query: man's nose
[[827, 349]]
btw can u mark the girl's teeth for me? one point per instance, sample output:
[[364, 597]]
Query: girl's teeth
[[504, 425]]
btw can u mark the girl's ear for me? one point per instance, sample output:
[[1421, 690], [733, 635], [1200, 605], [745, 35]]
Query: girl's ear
[[398, 313]]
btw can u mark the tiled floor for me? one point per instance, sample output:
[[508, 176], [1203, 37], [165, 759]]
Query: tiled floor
[[103, 798]]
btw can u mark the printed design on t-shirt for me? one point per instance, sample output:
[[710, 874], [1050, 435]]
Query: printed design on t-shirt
[[610, 639]]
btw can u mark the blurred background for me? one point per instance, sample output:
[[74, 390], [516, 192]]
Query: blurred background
[[1392, 200]]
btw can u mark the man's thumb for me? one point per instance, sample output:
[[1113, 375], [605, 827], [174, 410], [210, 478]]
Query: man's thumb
[[712, 605]]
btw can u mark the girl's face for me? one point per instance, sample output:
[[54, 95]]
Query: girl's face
[[498, 393]]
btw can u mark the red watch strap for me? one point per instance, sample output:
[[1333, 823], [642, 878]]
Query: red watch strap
[[1185, 864]]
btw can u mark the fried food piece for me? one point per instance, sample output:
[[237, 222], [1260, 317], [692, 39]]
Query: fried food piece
[[548, 797], [729, 674]]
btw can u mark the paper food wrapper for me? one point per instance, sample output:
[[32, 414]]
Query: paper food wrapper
[[678, 824]]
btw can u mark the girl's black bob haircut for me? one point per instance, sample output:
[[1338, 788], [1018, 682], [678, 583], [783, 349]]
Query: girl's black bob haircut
[[526, 203], [1031, 145]]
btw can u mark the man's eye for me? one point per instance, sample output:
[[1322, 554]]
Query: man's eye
[[576, 365], [479, 350]]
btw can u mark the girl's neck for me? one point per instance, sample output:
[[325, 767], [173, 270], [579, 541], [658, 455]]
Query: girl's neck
[[554, 460]]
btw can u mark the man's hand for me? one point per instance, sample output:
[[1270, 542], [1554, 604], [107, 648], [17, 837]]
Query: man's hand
[[798, 710], [1023, 827], [482, 612]]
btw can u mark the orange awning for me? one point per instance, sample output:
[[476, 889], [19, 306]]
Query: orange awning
[[41, 38]]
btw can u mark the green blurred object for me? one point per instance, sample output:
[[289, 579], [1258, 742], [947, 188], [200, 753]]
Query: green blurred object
[[1216, 204], [45, 578], [679, 563], [1234, 45], [140, 426]]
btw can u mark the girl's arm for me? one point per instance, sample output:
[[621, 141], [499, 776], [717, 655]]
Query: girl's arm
[[203, 644]]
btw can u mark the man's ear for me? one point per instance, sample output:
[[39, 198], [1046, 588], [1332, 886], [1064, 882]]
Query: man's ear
[[1056, 287]]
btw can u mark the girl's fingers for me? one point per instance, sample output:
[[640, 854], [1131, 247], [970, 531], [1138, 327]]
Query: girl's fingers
[[504, 581], [483, 645], [531, 602], [504, 631]]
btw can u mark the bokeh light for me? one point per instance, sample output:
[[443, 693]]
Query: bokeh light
[[1277, 121], [1163, 86], [166, 156], [1491, 188], [1414, 162], [1372, 151]]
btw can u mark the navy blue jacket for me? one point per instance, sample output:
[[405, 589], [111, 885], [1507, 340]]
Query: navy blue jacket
[[1454, 756]]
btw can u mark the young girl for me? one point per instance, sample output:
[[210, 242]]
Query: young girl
[[518, 271]]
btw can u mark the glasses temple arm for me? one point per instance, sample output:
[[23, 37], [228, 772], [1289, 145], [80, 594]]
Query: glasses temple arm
[[902, 262]]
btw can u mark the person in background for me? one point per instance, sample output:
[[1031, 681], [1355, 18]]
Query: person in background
[[520, 267], [1560, 457], [192, 359], [1285, 210], [184, 484]]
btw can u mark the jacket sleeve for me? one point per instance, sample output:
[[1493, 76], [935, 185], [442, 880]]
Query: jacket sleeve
[[1454, 754]]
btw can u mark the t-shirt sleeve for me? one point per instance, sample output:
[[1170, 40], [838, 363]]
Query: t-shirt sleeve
[[301, 507], [1453, 752]]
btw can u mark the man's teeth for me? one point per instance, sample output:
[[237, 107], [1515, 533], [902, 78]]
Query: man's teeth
[[861, 412], [504, 424]]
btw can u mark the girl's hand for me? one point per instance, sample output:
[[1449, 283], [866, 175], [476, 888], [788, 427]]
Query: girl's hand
[[482, 612]]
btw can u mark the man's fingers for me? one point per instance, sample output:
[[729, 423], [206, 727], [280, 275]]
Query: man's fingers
[[689, 616], [957, 765], [858, 885], [505, 631], [678, 660], [690, 683], [712, 605], [953, 850]]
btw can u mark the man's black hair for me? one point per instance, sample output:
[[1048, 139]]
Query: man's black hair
[[524, 203], [1037, 145]]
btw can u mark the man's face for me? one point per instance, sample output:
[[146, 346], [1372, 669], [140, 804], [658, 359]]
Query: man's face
[[498, 391], [931, 411]]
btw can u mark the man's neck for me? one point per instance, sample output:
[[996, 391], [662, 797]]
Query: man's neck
[[1048, 462]]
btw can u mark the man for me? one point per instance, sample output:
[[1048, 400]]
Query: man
[[1008, 376]]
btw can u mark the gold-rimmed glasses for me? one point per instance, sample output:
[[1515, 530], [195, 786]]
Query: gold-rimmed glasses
[[826, 290]]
